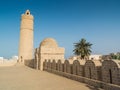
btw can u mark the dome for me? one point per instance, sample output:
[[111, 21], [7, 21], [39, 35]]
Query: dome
[[48, 42]]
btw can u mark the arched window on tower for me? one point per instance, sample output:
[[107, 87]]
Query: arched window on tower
[[27, 12]]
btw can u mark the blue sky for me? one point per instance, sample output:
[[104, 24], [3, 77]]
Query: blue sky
[[98, 21]]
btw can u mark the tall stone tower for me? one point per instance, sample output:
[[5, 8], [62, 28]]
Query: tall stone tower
[[26, 37]]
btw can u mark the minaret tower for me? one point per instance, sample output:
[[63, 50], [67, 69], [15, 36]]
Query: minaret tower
[[26, 37]]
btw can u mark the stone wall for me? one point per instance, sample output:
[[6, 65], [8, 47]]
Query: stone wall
[[29, 63], [93, 69], [5, 63], [111, 71], [79, 71], [100, 74]]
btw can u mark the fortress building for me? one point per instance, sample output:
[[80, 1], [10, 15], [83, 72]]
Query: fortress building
[[50, 57], [26, 37]]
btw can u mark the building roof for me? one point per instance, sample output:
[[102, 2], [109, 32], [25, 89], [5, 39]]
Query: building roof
[[49, 42]]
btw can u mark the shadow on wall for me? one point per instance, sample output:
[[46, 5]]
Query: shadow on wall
[[29, 63]]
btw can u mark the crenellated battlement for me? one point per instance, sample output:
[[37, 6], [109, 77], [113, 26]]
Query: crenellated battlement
[[92, 71]]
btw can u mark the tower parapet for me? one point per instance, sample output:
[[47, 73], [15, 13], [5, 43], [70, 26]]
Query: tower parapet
[[27, 21]]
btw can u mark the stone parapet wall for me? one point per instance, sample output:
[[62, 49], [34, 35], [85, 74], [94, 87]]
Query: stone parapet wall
[[73, 70], [97, 84], [98, 73], [29, 63], [4, 63]]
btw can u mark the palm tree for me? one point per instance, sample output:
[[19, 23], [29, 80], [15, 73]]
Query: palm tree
[[83, 49]]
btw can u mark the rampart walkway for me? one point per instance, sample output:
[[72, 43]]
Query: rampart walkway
[[24, 78]]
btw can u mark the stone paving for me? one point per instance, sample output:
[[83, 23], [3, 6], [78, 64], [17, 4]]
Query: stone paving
[[25, 78]]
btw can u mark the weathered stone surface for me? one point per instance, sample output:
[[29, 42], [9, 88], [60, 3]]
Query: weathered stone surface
[[48, 50], [111, 71], [99, 77], [26, 37], [93, 69]]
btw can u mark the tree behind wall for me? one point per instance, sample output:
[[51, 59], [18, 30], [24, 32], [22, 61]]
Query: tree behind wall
[[82, 48]]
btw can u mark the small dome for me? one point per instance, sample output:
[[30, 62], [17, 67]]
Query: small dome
[[48, 42]]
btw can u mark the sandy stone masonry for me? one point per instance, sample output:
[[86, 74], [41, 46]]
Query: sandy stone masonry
[[48, 49], [101, 74], [93, 69], [26, 37], [104, 74], [111, 71]]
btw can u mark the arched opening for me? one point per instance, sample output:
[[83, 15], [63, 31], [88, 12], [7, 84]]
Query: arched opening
[[59, 67], [62, 67], [56, 65], [67, 67], [76, 67], [110, 73], [47, 65], [27, 13]]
